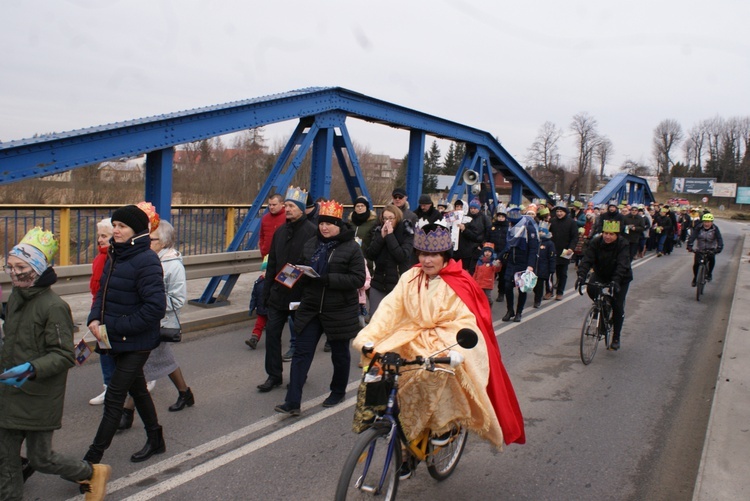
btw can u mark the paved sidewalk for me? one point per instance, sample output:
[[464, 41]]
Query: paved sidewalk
[[723, 472]]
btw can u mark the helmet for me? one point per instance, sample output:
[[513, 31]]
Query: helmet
[[707, 217]]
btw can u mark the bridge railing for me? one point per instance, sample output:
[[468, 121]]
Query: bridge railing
[[201, 229], [74, 279]]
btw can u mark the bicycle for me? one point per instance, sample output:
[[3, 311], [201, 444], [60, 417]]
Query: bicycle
[[598, 322], [372, 468], [702, 273]]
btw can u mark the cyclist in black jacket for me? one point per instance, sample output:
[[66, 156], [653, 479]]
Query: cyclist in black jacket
[[705, 236], [609, 256]]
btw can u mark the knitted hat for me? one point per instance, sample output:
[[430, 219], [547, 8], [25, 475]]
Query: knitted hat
[[475, 204], [488, 246], [310, 203], [362, 200], [425, 199], [544, 233], [132, 216]]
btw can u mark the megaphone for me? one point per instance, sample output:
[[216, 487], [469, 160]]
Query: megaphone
[[471, 177], [475, 189]]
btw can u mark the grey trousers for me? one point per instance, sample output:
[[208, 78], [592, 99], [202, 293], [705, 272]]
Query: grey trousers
[[41, 456]]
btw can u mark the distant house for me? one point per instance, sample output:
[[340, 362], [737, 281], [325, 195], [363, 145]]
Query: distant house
[[130, 169], [380, 168]]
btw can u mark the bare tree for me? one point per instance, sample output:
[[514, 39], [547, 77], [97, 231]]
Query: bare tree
[[667, 135], [635, 168], [602, 151], [694, 147], [543, 152], [586, 137]]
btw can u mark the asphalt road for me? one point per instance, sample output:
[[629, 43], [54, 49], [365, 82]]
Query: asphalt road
[[629, 426]]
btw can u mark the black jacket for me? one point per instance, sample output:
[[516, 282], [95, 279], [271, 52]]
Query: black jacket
[[476, 232], [634, 234], [333, 297], [131, 300], [564, 236], [286, 247], [611, 262], [391, 256], [431, 215], [499, 234]]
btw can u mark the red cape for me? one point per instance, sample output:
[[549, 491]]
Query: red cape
[[499, 388]]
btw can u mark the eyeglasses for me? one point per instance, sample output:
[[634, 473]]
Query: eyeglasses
[[398, 197], [389, 218], [16, 271]]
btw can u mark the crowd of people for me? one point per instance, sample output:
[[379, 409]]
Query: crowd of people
[[404, 280]]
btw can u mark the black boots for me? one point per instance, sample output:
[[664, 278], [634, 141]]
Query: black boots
[[154, 445], [126, 420], [185, 398], [508, 316]]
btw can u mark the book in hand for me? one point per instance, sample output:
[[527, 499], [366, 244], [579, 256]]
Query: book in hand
[[291, 273], [566, 253], [104, 343]]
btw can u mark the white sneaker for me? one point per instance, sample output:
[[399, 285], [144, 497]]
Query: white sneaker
[[150, 385], [99, 399]]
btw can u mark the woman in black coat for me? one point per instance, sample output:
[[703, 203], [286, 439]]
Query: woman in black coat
[[329, 303], [391, 252], [131, 303]]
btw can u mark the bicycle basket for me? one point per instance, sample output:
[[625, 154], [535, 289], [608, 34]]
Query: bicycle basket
[[372, 399]]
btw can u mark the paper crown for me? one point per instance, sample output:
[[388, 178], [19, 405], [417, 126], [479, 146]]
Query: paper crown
[[42, 240], [437, 240], [153, 216], [296, 195], [488, 245], [331, 209], [611, 227]]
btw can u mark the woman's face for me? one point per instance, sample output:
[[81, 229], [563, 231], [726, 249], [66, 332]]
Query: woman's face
[[156, 244], [360, 208], [389, 216], [121, 232], [102, 237], [328, 230], [431, 263]]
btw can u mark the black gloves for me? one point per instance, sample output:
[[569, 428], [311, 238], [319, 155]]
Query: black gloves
[[616, 287]]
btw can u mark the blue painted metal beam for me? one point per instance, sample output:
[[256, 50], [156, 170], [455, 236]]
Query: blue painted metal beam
[[159, 181], [415, 166], [625, 187]]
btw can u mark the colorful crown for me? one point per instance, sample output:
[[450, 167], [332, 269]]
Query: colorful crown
[[331, 209], [296, 195], [153, 216], [42, 240], [611, 227], [488, 245], [437, 240]]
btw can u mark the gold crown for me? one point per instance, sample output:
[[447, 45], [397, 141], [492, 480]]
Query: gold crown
[[153, 216], [611, 227], [297, 195], [42, 240], [331, 209]]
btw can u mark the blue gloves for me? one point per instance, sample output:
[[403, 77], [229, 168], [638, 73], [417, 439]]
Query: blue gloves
[[17, 376]]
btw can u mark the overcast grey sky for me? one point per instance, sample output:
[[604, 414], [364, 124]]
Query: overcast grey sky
[[503, 67]]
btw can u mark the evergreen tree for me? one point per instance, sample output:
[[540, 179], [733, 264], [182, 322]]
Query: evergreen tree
[[431, 168], [451, 162]]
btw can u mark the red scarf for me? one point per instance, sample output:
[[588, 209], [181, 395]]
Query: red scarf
[[499, 387]]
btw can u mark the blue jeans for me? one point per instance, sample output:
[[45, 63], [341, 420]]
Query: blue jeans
[[108, 367], [127, 378], [304, 352], [660, 242]]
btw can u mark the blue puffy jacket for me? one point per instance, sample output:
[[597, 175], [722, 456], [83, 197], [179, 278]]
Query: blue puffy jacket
[[131, 300]]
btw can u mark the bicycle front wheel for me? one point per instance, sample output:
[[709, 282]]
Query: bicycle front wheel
[[700, 281], [590, 336], [370, 471], [443, 459]]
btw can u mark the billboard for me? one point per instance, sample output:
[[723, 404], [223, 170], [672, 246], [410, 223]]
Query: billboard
[[694, 185], [653, 183], [743, 195], [725, 190]]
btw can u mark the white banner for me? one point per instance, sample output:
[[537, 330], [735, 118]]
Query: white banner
[[725, 190]]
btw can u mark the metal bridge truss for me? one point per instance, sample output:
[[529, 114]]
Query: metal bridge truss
[[322, 114], [627, 188]]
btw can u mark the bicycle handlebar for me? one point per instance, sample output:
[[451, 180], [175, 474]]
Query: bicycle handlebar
[[601, 285]]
